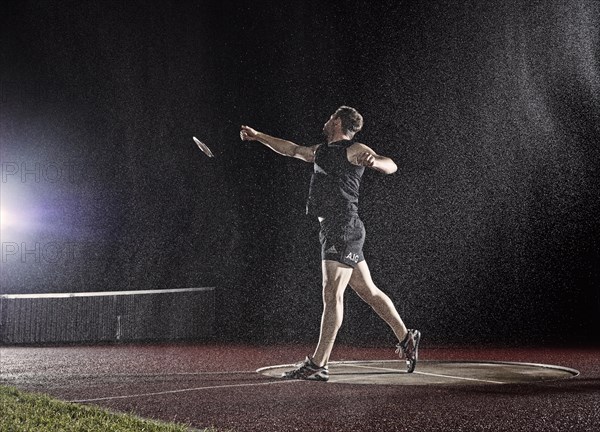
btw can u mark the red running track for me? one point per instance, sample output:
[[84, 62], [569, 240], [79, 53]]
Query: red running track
[[215, 385]]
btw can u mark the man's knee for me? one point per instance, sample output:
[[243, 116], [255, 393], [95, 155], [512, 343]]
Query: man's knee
[[333, 294]]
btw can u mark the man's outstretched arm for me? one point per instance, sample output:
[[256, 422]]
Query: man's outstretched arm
[[278, 145]]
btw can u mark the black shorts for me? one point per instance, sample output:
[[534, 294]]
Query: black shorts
[[342, 240]]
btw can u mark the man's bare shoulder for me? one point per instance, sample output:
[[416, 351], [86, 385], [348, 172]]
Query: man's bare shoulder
[[358, 147]]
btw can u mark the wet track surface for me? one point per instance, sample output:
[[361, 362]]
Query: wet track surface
[[217, 385]]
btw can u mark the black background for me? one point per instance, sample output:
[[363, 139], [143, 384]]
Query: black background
[[489, 231]]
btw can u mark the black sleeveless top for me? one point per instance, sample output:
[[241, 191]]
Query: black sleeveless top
[[335, 182]]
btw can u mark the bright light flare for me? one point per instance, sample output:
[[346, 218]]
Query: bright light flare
[[6, 220]]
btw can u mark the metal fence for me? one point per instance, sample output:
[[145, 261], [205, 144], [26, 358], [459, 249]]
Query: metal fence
[[187, 313]]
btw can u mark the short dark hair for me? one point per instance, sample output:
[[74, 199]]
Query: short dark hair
[[352, 121]]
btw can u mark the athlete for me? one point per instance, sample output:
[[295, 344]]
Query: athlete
[[333, 198]]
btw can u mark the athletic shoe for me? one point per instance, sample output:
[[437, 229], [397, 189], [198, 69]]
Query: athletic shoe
[[307, 370], [409, 349]]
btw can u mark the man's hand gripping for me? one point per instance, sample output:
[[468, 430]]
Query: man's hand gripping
[[248, 134]]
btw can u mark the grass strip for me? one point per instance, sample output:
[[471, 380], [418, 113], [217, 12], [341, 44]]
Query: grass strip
[[23, 412]]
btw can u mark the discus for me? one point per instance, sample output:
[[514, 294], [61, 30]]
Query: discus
[[203, 147]]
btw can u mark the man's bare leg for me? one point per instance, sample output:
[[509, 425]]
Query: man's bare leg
[[335, 280], [362, 283]]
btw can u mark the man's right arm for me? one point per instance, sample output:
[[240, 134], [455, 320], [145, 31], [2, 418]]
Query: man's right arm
[[278, 145]]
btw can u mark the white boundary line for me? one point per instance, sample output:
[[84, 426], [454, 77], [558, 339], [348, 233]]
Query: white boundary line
[[430, 374], [180, 391], [266, 368], [124, 375], [460, 378]]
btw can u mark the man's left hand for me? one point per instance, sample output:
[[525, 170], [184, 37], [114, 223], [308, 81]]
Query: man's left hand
[[365, 159]]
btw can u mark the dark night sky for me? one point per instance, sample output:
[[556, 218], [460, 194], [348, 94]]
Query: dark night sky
[[488, 232]]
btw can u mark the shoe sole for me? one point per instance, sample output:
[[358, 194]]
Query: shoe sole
[[310, 378], [412, 364]]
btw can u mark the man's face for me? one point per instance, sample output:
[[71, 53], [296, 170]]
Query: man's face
[[330, 126]]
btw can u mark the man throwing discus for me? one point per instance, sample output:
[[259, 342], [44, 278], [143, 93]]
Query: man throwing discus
[[339, 164]]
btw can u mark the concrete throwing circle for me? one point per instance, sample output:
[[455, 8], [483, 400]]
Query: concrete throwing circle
[[393, 372]]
